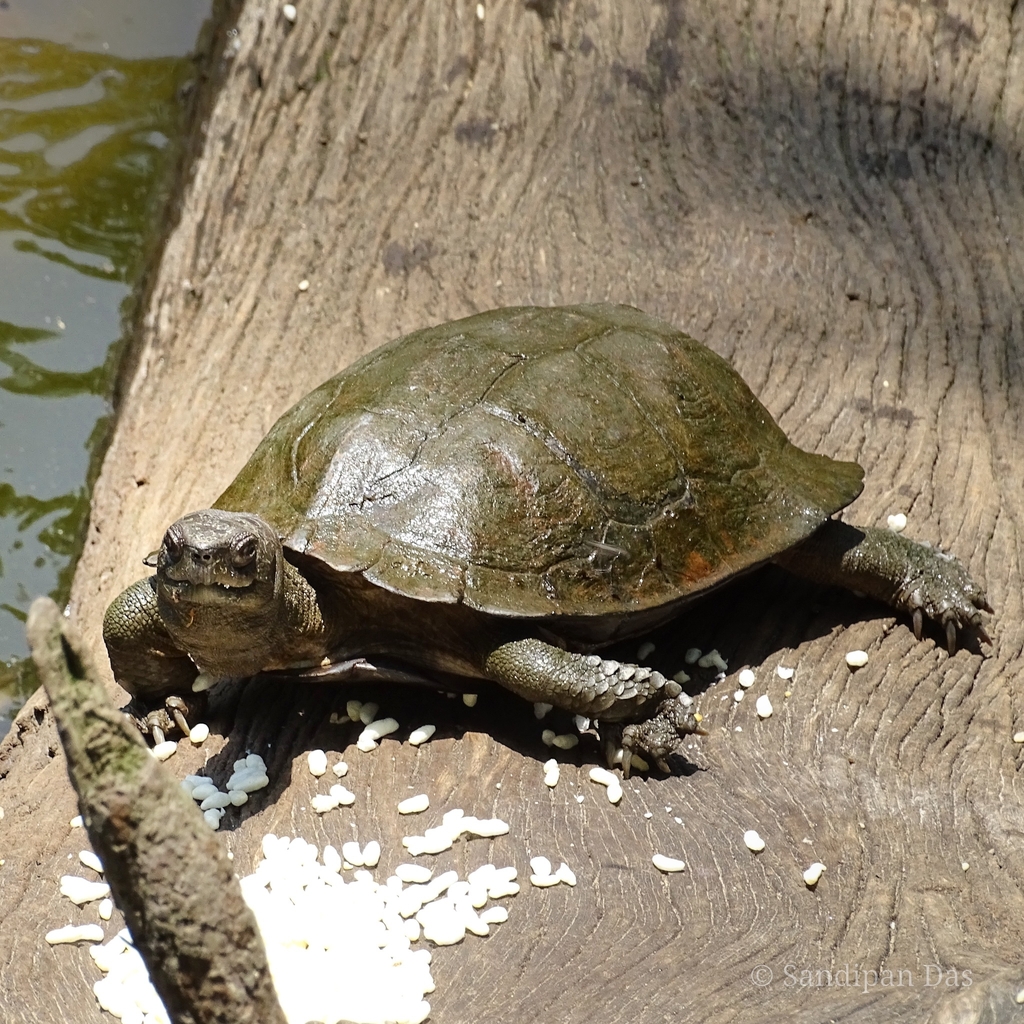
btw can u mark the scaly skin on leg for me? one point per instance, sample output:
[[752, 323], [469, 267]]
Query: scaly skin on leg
[[146, 661], [587, 684], [912, 577]]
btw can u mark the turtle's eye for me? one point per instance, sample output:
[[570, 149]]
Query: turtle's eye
[[244, 553], [172, 547]]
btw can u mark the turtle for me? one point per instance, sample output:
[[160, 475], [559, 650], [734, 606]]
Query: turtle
[[501, 497]]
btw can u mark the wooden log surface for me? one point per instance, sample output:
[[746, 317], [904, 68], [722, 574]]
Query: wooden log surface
[[831, 196]]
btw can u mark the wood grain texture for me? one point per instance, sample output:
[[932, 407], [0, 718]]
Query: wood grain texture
[[831, 195]]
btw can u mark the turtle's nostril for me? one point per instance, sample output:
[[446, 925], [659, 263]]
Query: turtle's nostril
[[205, 556]]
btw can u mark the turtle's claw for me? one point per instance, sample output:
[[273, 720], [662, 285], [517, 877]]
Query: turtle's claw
[[938, 588], [951, 637], [662, 733], [918, 623], [172, 717], [178, 709]]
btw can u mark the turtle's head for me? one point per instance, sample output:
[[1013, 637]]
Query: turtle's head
[[230, 600], [212, 556]]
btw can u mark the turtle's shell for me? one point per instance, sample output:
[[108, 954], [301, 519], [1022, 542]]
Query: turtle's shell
[[581, 461]]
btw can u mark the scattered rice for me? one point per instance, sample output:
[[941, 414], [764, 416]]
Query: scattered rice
[[897, 523], [75, 933], [375, 731], [712, 660], [90, 860], [414, 804], [367, 712], [199, 733], [856, 659], [753, 840], [813, 874], [746, 678], [420, 736], [80, 890], [667, 864]]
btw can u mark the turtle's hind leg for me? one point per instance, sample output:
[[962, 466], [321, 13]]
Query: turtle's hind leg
[[912, 577]]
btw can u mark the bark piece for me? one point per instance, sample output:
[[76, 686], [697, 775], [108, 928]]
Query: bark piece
[[166, 869]]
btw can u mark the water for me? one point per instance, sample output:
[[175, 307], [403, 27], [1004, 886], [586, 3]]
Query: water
[[90, 108]]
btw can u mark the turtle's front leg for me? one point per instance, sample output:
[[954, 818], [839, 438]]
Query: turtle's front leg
[[148, 664], [609, 691]]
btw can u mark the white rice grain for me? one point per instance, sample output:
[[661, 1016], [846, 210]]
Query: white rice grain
[[667, 864], [897, 523], [813, 874], [317, 761], [856, 659], [215, 800], [420, 736], [352, 853], [540, 865], [753, 840], [544, 881], [414, 804], [90, 860], [413, 873], [80, 890], [75, 933], [199, 733], [764, 706], [713, 660], [746, 678], [323, 802]]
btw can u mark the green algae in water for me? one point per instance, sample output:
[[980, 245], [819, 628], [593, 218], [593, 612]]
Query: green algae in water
[[85, 148]]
